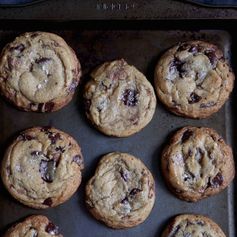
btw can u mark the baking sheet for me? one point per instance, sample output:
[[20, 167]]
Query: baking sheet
[[141, 48]]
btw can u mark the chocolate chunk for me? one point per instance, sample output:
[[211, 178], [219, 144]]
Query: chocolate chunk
[[124, 174], [19, 48], [47, 170], [186, 135], [212, 57], [176, 63], [46, 129], [183, 47], [125, 200], [54, 137], [45, 107], [10, 63], [87, 104], [105, 86], [201, 223], [78, 159], [129, 97], [174, 230], [34, 35], [60, 148], [188, 235], [193, 49], [48, 202], [52, 229], [36, 153], [194, 98], [42, 60], [199, 154], [48, 107], [134, 191], [73, 86], [217, 180], [25, 137], [207, 105], [188, 176]]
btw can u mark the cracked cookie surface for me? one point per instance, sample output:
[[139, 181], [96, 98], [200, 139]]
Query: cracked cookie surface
[[197, 163], [39, 72], [34, 226], [193, 79], [42, 167], [121, 193], [119, 100], [188, 225]]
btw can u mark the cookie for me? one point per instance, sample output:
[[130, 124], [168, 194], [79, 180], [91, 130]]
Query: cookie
[[121, 193], [42, 167], [119, 99], [39, 72], [192, 226], [193, 79], [34, 226], [197, 163]]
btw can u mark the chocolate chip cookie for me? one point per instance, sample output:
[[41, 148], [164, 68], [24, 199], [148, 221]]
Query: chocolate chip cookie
[[192, 226], [39, 72], [119, 99], [193, 79], [42, 167], [197, 163], [122, 191], [34, 226]]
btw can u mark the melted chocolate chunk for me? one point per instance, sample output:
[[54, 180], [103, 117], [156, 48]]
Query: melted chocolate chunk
[[199, 154], [54, 137], [34, 35], [42, 60], [188, 176], [175, 230], [134, 192], [194, 98], [73, 86], [52, 229], [176, 63], [48, 202], [78, 160], [45, 107], [207, 105], [48, 107], [212, 57], [25, 137], [217, 180], [193, 49], [124, 175], [47, 170], [46, 129], [188, 235], [10, 63], [201, 223], [183, 47], [60, 148], [19, 48], [129, 97], [125, 200], [187, 134]]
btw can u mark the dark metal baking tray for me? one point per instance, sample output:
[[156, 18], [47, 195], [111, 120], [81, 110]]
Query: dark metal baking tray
[[141, 44], [215, 3], [18, 3]]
